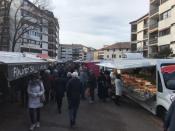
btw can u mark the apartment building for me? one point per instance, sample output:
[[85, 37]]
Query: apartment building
[[95, 55], [4, 26], [66, 52], [161, 27], [139, 35], [53, 34], [38, 29], [161, 31], [69, 52], [116, 51], [101, 54]]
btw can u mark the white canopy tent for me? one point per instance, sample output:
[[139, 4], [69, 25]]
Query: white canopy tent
[[129, 64]]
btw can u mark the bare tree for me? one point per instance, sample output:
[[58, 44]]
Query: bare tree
[[20, 22]]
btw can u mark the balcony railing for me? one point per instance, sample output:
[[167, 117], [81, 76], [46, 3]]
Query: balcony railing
[[145, 47], [145, 25], [154, 11], [153, 26], [133, 30], [153, 41]]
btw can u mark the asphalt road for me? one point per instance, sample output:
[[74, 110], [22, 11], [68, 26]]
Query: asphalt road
[[91, 117]]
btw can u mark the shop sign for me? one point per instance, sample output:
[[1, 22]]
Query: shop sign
[[18, 71]]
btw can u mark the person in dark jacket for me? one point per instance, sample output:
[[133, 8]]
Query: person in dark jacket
[[60, 88], [92, 85], [170, 119], [102, 89], [73, 96]]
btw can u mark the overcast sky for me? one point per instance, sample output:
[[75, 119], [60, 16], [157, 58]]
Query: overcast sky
[[97, 22]]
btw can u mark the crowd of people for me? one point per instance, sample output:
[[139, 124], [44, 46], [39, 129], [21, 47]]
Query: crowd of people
[[74, 81]]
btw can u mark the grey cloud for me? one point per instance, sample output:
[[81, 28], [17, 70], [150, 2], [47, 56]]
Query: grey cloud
[[94, 19]]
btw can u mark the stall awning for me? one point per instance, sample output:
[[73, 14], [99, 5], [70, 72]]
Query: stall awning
[[18, 65], [130, 64]]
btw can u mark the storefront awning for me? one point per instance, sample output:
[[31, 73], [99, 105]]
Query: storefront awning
[[18, 65]]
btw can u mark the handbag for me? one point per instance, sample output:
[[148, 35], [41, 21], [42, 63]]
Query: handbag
[[42, 97]]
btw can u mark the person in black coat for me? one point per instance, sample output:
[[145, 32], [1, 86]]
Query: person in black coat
[[170, 118], [102, 89], [60, 88], [92, 85], [73, 96]]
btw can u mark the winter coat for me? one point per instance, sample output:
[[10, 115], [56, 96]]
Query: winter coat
[[73, 89], [92, 81], [60, 87], [35, 91], [170, 118], [102, 89], [118, 87]]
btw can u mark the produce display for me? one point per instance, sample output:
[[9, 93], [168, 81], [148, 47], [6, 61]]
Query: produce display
[[143, 88]]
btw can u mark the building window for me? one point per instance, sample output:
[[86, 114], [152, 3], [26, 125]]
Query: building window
[[107, 50], [107, 56], [113, 56], [114, 50], [120, 56], [164, 47], [165, 15], [164, 32]]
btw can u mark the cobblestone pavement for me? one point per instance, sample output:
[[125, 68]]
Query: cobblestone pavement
[[91, 117]]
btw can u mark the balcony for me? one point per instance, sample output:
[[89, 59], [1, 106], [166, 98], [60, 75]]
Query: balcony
[[145, 36], [134, 30], [154, 11], [153, 26], [153, 41], [145, 25], [145, 47]]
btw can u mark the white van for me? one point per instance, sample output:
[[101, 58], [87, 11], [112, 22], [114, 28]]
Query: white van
[[161, 75]]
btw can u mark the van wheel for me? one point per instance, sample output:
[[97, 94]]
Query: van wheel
[[161, 113]]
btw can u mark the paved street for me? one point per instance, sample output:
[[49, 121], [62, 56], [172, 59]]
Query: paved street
[[92, 117]]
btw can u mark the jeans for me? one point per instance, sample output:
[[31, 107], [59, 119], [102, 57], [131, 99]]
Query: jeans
[[83, 88], [73, 109], [34, 115], [59, 102], [92, 94]]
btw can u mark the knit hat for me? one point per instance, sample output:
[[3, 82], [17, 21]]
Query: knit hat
[[75, 74]]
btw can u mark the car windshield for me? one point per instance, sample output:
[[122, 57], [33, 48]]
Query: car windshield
[[168, 72]]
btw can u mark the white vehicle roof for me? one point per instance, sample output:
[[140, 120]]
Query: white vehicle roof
[[137, 63], [16, 57]]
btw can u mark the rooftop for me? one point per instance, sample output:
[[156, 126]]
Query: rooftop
[[119, 45], [143, 17]]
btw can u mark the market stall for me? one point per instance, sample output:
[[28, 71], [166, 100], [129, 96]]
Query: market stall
[[16, 66]]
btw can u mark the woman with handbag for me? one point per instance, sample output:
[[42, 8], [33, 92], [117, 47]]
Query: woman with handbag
[[35, 100]]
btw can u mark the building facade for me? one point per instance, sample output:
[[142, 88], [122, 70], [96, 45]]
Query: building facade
[[53, 34], [116, 50], [139, 35], [161, 27], [29, 29], [72, 52]]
